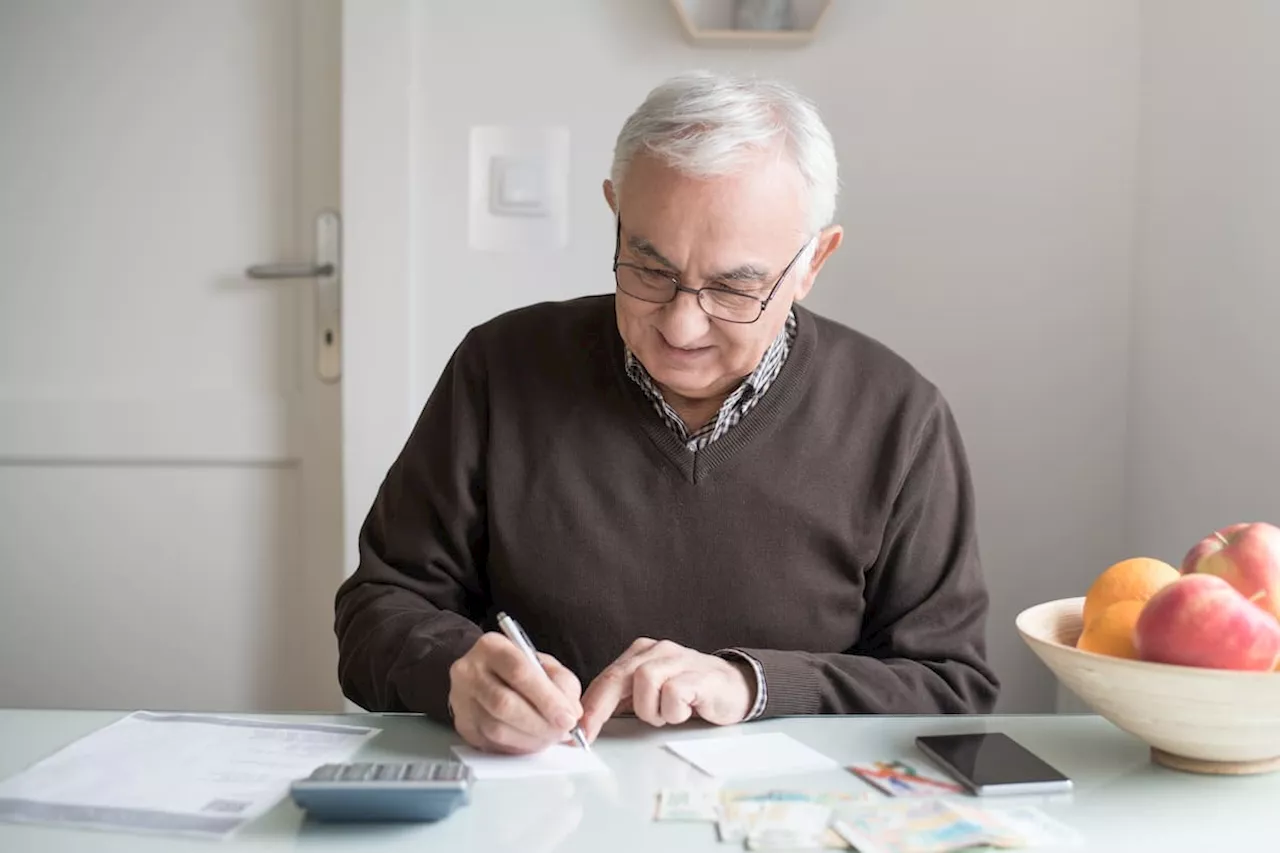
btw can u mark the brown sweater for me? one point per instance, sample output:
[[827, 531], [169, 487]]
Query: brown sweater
[[830, 534]]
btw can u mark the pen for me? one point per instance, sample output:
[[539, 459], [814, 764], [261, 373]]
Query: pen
[[516, 634]]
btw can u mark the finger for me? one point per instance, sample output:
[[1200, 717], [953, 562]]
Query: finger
[[647, 682], [532, 684], [563, 678], [616, 684], [482, 730], [498, 736], [610, 689], [638, 647], [678, 697], [649, 668], [602, 697], [506, 705]]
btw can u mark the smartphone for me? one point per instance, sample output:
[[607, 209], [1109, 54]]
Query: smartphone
[[993, 763]]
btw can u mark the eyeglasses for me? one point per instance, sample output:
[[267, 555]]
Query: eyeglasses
[[659, 286]]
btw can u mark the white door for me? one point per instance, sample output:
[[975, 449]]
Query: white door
[[170, 459]]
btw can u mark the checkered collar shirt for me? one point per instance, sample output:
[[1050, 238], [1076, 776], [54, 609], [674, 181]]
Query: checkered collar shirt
[[735, 407]]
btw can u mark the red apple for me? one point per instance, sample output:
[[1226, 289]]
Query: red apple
[[1247, 556], [1208, 545], [1201, 620]]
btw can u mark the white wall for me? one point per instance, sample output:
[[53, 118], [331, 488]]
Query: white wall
[[1205, 413], [987, 153]]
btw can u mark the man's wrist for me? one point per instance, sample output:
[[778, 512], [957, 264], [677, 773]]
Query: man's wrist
[[754, 674]]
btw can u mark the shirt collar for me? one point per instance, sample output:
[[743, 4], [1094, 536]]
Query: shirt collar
[[762, 375]]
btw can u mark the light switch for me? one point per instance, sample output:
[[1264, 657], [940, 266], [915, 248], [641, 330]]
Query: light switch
[[518, 187]]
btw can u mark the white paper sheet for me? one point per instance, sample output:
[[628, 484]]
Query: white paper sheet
[[772, 754], [556, 760], [191, 774]]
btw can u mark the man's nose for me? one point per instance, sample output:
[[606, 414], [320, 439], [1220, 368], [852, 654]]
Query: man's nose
[[684, 321]]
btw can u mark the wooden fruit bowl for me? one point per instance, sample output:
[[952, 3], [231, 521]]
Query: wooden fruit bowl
[[1200, 720]]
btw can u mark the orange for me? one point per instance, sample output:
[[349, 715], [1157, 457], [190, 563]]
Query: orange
[[1136, 579], [1111, 632]]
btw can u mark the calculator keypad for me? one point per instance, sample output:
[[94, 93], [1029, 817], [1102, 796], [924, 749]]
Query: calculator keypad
[[415, 771], [356, 772]]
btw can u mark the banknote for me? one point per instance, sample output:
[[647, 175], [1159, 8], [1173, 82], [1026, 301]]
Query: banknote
[[787, 826], [906, 779], [1031, 826], [831, 840], [771, 825], [736, 818], [945, 826], [686, 804], [768, 812], [916, 826], [785, 838], [784, 795]]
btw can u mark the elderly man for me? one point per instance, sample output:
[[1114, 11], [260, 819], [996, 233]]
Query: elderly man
[[699, 498]]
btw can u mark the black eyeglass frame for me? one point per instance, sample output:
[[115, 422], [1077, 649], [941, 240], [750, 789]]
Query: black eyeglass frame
[[679, 287]]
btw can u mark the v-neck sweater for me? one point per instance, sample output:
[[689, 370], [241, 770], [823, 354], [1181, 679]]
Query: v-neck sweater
[[831, 535]]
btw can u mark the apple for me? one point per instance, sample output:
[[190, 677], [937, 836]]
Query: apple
[[1201, 620], [1247, 556], [1208, 545]]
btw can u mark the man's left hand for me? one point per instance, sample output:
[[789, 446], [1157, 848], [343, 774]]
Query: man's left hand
[[667, 683]]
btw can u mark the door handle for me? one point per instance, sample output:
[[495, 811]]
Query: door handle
[[327, 272], [289, 270]]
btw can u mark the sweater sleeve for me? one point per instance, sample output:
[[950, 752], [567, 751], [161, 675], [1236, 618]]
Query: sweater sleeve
[[922, 649], [412, 605]]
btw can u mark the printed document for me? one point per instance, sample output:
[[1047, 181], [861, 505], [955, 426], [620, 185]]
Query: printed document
[[191, 774]]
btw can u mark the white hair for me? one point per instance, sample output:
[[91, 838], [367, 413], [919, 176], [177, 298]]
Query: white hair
[[704, 124]]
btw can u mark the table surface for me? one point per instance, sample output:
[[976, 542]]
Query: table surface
[[1122, 801]]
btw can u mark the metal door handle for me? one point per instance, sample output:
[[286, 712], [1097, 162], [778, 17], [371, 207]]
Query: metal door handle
[[327, 271], [289, 270]]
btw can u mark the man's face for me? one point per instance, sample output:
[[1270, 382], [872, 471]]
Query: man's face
[[739, 232]]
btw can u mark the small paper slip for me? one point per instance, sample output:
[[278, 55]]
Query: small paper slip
[[772, 754], [187, 774], [556, 760]]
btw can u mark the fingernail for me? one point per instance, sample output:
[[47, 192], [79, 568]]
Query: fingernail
[[565, 720]]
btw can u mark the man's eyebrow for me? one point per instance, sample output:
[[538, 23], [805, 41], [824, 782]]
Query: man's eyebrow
[[742, 272], [642, 246]]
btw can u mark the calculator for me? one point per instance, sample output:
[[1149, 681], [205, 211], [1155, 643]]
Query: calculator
[[413, 791]]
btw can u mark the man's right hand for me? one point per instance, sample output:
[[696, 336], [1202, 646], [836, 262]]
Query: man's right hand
[[501, 703]]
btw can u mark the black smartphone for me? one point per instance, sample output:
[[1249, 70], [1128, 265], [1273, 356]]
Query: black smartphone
[[993, 763]]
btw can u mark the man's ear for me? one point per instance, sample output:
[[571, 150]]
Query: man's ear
[[610, 196], [829, 239]]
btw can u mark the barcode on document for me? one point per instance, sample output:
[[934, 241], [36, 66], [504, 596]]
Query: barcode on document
[[226, 806]]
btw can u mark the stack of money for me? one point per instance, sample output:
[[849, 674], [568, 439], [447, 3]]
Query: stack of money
[[813, 820], [938, 826], [761, 820]]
